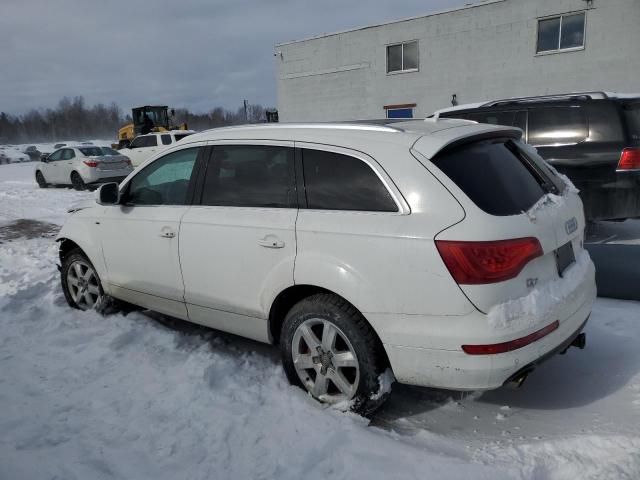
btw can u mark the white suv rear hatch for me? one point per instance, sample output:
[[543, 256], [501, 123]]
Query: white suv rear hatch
[[533, 270]]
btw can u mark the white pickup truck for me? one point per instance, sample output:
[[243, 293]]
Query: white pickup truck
[[144, 146]]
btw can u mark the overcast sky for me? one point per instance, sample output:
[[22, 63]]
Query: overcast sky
[[183, 53]]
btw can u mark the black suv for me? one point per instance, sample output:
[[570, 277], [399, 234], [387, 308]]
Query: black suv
[[593, 138]]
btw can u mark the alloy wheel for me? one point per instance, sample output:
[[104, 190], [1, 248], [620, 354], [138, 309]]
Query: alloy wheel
[[83, 284], [325, 361]]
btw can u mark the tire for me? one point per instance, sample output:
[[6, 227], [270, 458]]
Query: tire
[[77, 272], [42, 183], [77, 182], [315, 321]]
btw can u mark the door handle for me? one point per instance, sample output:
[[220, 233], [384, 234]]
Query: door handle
[[271, 241], [167, 232]]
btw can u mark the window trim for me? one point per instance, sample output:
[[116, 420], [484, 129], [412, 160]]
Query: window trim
[[561, 50], [403, 70], [397, 197]]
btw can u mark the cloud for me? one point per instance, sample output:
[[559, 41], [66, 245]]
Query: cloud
[[191, 53]]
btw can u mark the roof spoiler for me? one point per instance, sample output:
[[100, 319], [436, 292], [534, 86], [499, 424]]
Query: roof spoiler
[[547, 98]]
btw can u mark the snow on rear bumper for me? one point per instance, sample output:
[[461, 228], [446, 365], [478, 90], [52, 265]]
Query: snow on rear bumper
[[431, 353]]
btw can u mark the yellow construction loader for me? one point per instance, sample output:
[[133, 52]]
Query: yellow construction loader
[[147, 119]]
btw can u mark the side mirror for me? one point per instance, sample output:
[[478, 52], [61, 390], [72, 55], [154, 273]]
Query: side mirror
[[108, 194]]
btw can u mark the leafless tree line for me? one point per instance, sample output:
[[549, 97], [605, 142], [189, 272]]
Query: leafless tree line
[[73, 119]]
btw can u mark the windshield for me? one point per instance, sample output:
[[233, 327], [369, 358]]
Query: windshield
[[633, 119]]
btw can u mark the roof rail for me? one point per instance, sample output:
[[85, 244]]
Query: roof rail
[[546, 98]]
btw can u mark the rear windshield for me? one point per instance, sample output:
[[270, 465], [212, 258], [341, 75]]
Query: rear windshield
[[91, 151], [109, 151], [499, 176], [633, 119]]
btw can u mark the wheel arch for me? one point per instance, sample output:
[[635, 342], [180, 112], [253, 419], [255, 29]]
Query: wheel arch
[[290, 296], [70, 239]]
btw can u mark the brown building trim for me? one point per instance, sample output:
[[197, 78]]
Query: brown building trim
[[402, 105]]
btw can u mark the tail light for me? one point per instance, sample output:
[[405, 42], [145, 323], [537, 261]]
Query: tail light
[[479, 263], [630, 159], [90, 163]]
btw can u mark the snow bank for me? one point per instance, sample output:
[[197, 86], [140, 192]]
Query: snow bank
[[84, 396], [588, 457], [539, 304]]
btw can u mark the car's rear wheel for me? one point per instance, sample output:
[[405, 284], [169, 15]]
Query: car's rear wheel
[[42, 183], [77, 182], [329, 349]]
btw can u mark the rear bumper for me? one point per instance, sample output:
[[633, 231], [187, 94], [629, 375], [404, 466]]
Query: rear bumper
[[455, 370], [426, 351]]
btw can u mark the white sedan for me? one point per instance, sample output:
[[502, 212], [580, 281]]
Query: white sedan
[[82, 166]]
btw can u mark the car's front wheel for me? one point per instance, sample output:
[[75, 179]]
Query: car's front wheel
[[42, 183], [81, 284], [329, 349]]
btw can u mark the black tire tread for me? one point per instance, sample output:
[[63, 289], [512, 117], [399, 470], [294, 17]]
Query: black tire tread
[[108, 305], [374, 360]]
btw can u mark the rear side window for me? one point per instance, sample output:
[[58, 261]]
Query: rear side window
[[492, 176], [557, 126], [251, 176], [166, 139], [632, 115], [340, 182], [141, 142]]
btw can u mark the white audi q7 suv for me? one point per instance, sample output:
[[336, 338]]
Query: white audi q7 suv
[[444, 252]]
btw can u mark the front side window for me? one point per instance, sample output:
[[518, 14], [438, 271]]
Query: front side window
[[165, 181], [564, 32], [340, 182], [402, 57], [57, 155], [555, 126], [250, 176]]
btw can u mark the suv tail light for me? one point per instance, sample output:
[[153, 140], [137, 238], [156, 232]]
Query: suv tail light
[[90, 163], [479, 263], [630, 159]]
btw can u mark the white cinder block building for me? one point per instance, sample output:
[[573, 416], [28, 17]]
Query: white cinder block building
[[485, 51]]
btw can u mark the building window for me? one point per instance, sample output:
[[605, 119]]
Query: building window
[[400, 111], [402, 57], [564, 32]]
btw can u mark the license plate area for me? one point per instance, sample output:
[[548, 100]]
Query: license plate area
[[565, 257]]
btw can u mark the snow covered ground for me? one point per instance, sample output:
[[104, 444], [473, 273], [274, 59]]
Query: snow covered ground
[[142, 396]]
